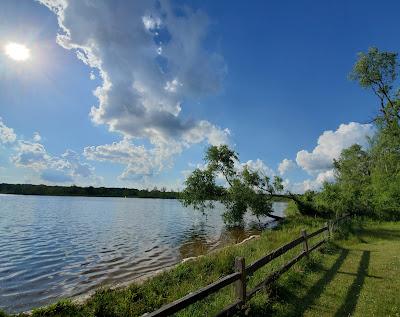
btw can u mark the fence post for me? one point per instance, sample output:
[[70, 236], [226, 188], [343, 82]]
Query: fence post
[[240, 285], [328, 230], [305, 243]]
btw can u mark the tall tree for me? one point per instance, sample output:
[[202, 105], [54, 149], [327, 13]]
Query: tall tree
[[379, 70]]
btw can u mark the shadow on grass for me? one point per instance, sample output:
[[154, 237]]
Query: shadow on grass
[[287, 293], [385, 234], [350, 302], [318, 288]]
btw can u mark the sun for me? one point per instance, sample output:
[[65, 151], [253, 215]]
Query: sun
[[17, 52]]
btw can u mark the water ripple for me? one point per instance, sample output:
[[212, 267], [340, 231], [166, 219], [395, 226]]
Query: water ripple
[[54, 247]]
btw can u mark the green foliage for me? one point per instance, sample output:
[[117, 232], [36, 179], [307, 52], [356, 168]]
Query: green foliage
[[63, 308], [378, 71], [353, 172], [200, 190], [222, 159], [244, 189], [385, 173], [375, 69]]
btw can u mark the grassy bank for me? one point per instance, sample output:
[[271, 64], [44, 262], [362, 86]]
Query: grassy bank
[[357, 276], [325, 283]]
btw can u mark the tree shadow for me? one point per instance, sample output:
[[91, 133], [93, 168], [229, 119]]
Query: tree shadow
[[350, 302], [386, 234], [318, 288]]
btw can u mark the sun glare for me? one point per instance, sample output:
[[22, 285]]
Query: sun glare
[[17, 52]]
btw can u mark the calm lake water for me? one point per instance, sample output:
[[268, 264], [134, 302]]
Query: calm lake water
[[55, 247]]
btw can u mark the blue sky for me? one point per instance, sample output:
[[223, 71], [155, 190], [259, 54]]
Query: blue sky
[[268, 78]]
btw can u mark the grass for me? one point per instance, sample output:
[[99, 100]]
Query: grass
[[358, 274]]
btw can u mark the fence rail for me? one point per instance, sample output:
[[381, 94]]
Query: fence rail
[[242, 272]]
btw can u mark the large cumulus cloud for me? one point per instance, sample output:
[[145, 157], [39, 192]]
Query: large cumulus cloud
[[319, 162], [330, 145], [151, 59]]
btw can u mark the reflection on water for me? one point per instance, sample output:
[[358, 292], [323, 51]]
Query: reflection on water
[[199, 241], [53, 247]]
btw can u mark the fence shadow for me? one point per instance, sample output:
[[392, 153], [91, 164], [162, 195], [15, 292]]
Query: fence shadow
[[350, 302], [318, 288]]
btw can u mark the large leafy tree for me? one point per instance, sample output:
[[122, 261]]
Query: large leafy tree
[[385, 172], [353, 174], [238, 188], [378, 71]]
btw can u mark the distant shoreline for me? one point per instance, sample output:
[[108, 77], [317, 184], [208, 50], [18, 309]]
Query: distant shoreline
[[77, 191]]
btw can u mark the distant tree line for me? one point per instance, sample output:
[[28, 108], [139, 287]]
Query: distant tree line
[[28, 189]]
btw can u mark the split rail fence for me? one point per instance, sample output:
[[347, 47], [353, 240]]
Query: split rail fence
[[242, 272]]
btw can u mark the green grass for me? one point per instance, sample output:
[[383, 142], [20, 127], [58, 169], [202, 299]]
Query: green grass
[[359, 273]]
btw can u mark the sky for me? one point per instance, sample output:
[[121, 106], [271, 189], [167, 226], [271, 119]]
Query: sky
[[131, 93]]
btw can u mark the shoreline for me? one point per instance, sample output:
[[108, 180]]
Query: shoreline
[[81, 299], [146, 294]]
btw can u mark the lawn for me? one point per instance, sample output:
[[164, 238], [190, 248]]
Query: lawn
[[356, 276]]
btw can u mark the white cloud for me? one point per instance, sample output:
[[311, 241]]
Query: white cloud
[[327, 176], [312, 184], [36, 137], [7, 134], [140, 95], [172, 85], [66, 168], [285, 166], [259, 166], [151, 23], [77, 168], [331, 144], [32, 155], [139, 161], [205, 130]]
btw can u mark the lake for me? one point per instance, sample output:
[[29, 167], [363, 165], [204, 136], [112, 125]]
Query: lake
[[56, 247]]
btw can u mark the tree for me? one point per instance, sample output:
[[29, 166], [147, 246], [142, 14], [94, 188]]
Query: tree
[[385, 172], [378, 71], [239, 189], [351, 192]]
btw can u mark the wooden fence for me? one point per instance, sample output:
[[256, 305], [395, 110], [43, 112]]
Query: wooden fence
[[242, 272]]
